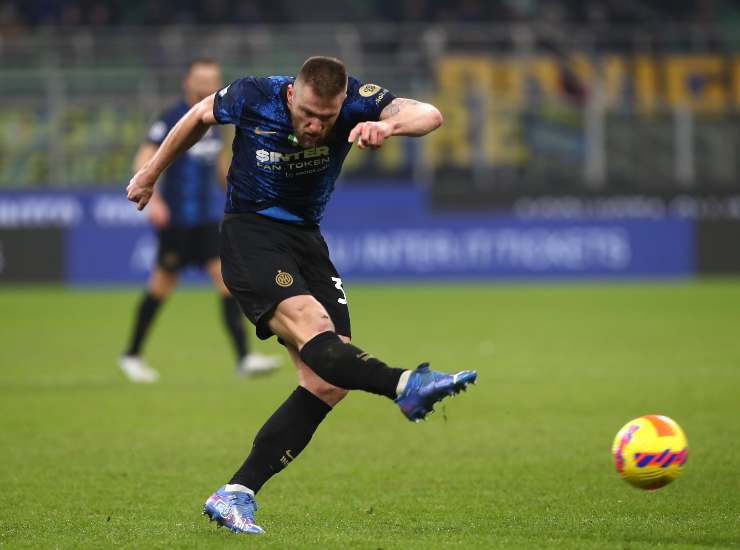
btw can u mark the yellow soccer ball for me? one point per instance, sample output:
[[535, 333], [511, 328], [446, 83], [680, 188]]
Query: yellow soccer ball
[[651, 451]]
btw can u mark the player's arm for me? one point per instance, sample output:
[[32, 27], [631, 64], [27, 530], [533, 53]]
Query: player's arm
[[401, 117], [159, 213], [186, 133]]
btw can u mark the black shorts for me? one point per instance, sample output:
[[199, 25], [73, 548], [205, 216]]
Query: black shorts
[[265, 261], [183, 246]]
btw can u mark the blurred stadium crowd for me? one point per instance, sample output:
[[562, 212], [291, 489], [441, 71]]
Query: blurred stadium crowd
[[18, 14], [573, 94]]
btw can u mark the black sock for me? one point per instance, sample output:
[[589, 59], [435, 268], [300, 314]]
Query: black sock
[[234, 325], [144, 317], [285, 434], [348, 367]]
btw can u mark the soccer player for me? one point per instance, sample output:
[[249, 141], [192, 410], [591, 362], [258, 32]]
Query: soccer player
[[187, 226], [292, 135]]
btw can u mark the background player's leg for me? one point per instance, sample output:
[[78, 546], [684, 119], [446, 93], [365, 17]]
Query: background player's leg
[[287, 432], [161, 284], [247, 362], [230, 309]]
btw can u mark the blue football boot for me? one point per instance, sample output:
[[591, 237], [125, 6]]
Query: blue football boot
[[234, 510], [425, 387]]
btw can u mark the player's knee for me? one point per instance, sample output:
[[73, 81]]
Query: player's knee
[[162, 292], [162, 284], [300, 318]]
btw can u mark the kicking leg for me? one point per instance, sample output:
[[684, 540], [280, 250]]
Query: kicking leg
[[304, 322]]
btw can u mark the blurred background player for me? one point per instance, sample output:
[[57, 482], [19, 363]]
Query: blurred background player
[[183, 213]]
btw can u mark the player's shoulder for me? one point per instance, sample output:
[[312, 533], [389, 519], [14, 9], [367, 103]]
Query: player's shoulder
[[276, 83], [266, 86], [365, 100], [359, 90], [249, 96]]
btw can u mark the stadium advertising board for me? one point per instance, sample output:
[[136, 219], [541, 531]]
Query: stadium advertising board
[[383, 233], [451, 248], [31, 254]]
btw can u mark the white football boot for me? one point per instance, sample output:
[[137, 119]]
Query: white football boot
[[136, 370], [255, 364]]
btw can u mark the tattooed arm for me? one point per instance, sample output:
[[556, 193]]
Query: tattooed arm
[[410, 117], [401, 117]]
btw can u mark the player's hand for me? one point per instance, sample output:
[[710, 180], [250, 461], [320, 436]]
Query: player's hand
[[141, 188], [159, 214], [370, 134]]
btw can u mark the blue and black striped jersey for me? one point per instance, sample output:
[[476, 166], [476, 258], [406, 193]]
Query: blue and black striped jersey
[[269, 172]]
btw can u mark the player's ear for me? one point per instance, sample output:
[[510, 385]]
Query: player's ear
[[289, 94]]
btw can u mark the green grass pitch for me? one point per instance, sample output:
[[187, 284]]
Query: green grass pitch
[[522, 460]]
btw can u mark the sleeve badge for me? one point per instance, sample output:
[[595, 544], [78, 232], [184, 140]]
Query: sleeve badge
[[369, 90]]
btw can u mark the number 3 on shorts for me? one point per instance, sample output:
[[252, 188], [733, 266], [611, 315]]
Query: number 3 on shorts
[[338, 286]]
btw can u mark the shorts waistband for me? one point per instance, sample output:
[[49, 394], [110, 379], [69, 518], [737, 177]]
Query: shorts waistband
[[267, 220]]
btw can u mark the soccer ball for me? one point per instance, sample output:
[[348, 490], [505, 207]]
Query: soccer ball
[[650, 451]]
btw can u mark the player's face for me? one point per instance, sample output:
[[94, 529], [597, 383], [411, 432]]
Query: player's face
[[204, 79], [312, 116]]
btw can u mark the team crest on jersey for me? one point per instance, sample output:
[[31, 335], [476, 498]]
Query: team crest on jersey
[[368, 90], [284, 279]]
